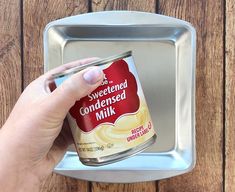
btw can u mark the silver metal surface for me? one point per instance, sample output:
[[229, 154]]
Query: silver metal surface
[[164, 53]]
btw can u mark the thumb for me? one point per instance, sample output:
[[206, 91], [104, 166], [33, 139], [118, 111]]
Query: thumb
[[73, 89]]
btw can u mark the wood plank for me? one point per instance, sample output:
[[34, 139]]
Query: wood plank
[[133, 187], [10, 56], [230, 98], [57, 183], [207, 17], [134, 5], [36, 15], [137, 5]]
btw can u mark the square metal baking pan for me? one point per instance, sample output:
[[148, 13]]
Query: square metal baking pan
[[164, 52]]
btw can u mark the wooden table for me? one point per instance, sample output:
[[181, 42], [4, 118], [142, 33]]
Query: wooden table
[[21, 61]]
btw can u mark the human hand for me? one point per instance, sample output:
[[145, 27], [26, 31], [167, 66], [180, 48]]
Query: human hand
[[35, 137]]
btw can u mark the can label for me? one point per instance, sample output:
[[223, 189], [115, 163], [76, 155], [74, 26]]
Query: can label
[[115, 116], [117, 96]]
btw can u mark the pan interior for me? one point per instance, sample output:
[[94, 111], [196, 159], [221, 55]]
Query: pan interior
[[154, 50]]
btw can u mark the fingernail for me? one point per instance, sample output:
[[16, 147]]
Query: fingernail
[[93, 75]]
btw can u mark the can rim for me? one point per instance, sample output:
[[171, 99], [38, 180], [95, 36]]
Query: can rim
[[99, 62]]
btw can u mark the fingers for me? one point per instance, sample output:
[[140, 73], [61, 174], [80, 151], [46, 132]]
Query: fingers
[[70, 65], [61, 144], [74, 88]]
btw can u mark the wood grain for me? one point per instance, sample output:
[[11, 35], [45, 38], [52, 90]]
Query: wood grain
[[207, 17], [230, 97], [138, 5], [134, 5], [10, 56], [57, 183], [134, 187], [36, 15]]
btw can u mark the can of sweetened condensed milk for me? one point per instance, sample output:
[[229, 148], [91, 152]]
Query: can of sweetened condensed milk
[[113, 122]]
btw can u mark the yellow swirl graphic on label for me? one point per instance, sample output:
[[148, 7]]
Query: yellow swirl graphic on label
[[128, 131], [118, 134]]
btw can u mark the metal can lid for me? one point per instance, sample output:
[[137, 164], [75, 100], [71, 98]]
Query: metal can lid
[[94, 63]]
